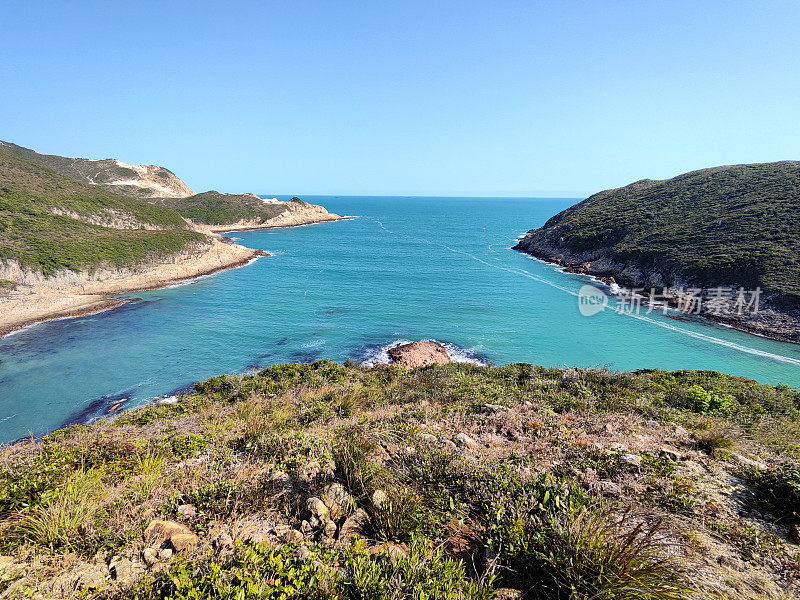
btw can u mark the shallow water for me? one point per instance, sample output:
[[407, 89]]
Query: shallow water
[[406, 268]]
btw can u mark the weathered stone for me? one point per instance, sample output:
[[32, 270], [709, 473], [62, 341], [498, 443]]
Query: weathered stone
[[125, 571], [317, 508], [428, 437], [508, 594], [632, 459], [85, 576], [281, 479], [222, 542], [183, 541], [165, 554], [330, 529], [150, 556], [419, 354], [310, 472], [669, 454], [794, 533], [394, 551], [336, 499], [378, 498], [158, 532], [463, 440], [609, 488], [187, 511], [292, 536], [750, 462], [355, 525]]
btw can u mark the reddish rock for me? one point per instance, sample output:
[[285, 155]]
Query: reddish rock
[[419, 354]]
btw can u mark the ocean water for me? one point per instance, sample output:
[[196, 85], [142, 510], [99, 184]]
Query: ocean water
[[405, 268]]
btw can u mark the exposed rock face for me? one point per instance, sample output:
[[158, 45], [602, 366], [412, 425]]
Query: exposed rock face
[[419, 354], [715, 231], [136, 181]]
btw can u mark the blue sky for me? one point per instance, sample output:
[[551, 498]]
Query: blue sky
[[472, 98]]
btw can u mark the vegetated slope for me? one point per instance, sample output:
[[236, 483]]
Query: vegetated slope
[[731, 225], [217, 208], [136, 181], [49, 222], [339, 481]]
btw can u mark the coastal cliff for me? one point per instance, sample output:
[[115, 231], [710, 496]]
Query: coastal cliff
[[215, 211], [729, 228], [136, 181], [74, 232]]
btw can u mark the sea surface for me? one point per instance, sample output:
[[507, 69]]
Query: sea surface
[[403, 269]]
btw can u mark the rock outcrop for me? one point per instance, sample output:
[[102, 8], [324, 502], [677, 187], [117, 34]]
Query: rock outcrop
[[419, 354], [135, 181]]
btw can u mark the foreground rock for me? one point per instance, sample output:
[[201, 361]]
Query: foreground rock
[[419, 354]]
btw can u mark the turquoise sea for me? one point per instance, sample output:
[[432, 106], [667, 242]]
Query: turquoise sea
[[405, 268]]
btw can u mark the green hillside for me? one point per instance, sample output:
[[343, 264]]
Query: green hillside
[[330, 481], [217, 208], [117, 177], [49, 221], [720, 226]]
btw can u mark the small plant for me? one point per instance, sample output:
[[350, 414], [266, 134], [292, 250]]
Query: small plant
[[58, 522], [398, 515], [352, 453], [185, 446], [777, 490], [594, 555], [698, 399], [715, 441], [680, 497], [148, 472]]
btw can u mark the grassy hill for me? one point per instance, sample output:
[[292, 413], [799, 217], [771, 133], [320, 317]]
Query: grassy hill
[[136, 181], [342, 482], [732, 225], [216, 208], [49, 221]]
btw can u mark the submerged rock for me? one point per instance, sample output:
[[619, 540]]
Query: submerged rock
[[419, 354]]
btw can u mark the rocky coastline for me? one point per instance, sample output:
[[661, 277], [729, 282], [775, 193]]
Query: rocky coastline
[[773, 319], [36, 299]]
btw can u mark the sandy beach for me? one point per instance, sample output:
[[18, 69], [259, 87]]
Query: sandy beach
[[77, 294]]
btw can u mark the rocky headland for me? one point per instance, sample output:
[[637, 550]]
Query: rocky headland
[[76, 232], [713, 240]]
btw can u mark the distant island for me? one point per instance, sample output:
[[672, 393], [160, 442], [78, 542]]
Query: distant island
[[730, 228], [74, 232]]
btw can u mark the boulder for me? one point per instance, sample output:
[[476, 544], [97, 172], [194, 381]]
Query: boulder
[[355, 525], [317, 508], [187, 511], [336, 499], [158, 532], [125, 571], [419, 354], [462, 439]]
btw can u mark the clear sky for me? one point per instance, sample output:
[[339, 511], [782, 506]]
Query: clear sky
[[431, 97]]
